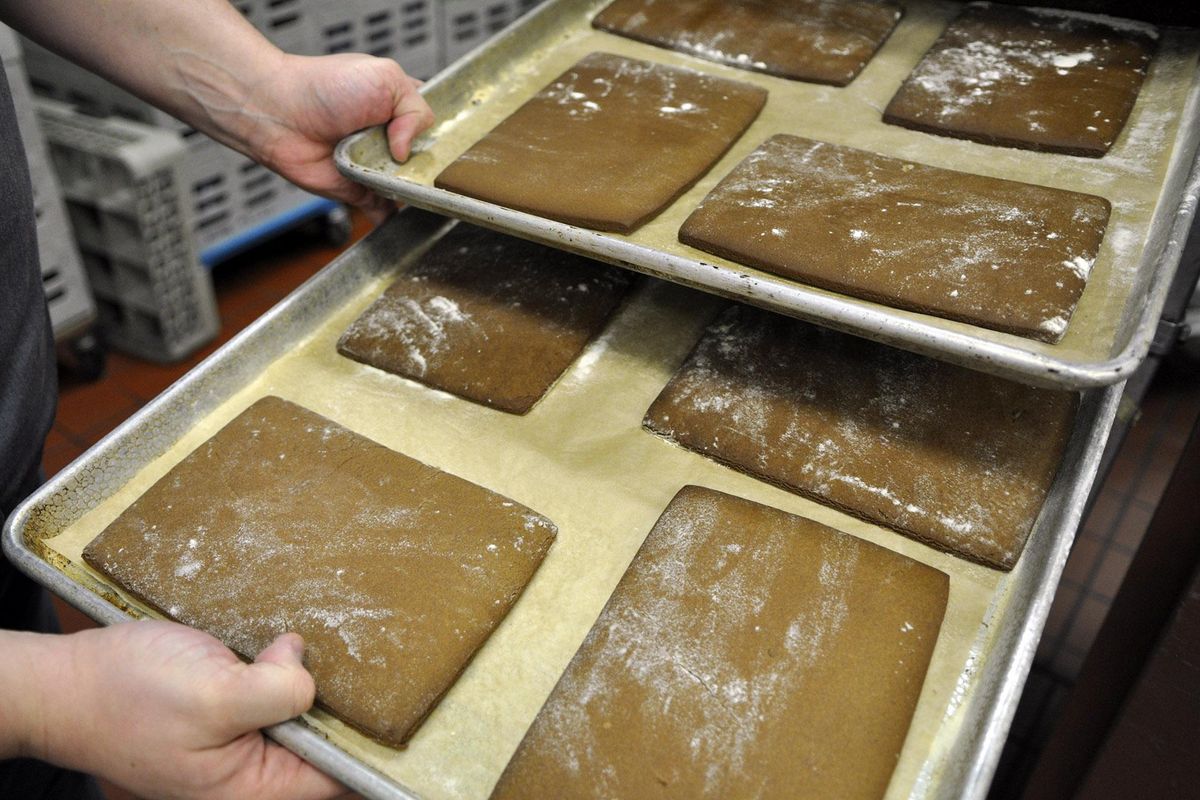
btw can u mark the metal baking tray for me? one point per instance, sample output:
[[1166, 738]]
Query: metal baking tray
[[1151, 175], [581, 458]]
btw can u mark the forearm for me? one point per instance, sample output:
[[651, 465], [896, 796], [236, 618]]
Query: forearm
[[200, 60], [34, 673], [203, 62]]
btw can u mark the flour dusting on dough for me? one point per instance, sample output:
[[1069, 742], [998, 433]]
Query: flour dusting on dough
[[674, 656], [885, 229], [487, 317], [1043, 67], [716, 642], [252, 546], [816, 40], [864, 428]]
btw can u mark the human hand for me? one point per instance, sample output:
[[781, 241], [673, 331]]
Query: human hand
[[313, 102], [169, 712], [203, 62]]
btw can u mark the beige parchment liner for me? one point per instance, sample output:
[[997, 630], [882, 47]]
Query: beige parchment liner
[[1131, 176], [581, 458]]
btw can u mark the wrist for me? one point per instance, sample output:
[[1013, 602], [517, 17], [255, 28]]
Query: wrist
[[230, 101], [35, 684], [265, 101]]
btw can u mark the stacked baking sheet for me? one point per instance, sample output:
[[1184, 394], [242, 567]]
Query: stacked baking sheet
[[582, 458], [1148, 175]]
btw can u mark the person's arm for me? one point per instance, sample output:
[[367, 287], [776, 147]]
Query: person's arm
[[201, 61], [158, 708]]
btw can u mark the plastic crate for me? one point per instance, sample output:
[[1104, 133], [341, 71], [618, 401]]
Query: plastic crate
[[284, 22], [124, 187], [10, 48], [465, 24], [68, 296], [405, 30], [53, 77], [234, 198]]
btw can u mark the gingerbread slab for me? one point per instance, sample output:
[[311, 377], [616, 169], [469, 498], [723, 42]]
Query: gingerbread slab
[[823, 41], [1003, 255], [393, 572], [1033, 78], [487, 317], [745, 653], [959, 460], [609, 144]]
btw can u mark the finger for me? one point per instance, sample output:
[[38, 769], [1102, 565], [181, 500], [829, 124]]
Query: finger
[[379, 214], [275, 688], [286, 651], [410, 116], [286, 776], [376, 207]]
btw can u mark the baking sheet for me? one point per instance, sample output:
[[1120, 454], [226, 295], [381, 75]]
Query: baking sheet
[[581, 458], [1150, 176]]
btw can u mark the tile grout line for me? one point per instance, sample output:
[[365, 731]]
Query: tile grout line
[[1107, 540]]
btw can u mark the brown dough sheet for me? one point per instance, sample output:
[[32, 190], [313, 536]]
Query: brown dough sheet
[[1032, 78], [957, 459], [607, 145], [822, 41], [999, 254], [487, 317], [393, 572], [746, 652]]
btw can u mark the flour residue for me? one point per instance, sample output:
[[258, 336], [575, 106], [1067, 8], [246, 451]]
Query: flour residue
[[749, 35], [713, 646], [601, 79], [679, 660], [972, 68], [820, 412], [423, 328], [877, 227], [256, 545]]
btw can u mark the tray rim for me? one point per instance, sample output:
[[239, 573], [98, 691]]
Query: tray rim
[[1169, 227], [998, 706], [996, 689]]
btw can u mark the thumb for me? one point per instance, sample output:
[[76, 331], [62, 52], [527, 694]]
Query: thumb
[[410, 116], [275, 688]]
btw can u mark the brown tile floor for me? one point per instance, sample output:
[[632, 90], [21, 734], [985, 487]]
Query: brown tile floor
[[1100, 556], [252, 283], [1121, 513]]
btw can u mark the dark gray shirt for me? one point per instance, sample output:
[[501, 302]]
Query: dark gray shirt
[[27, 371], [27, 376], [27, 398]]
